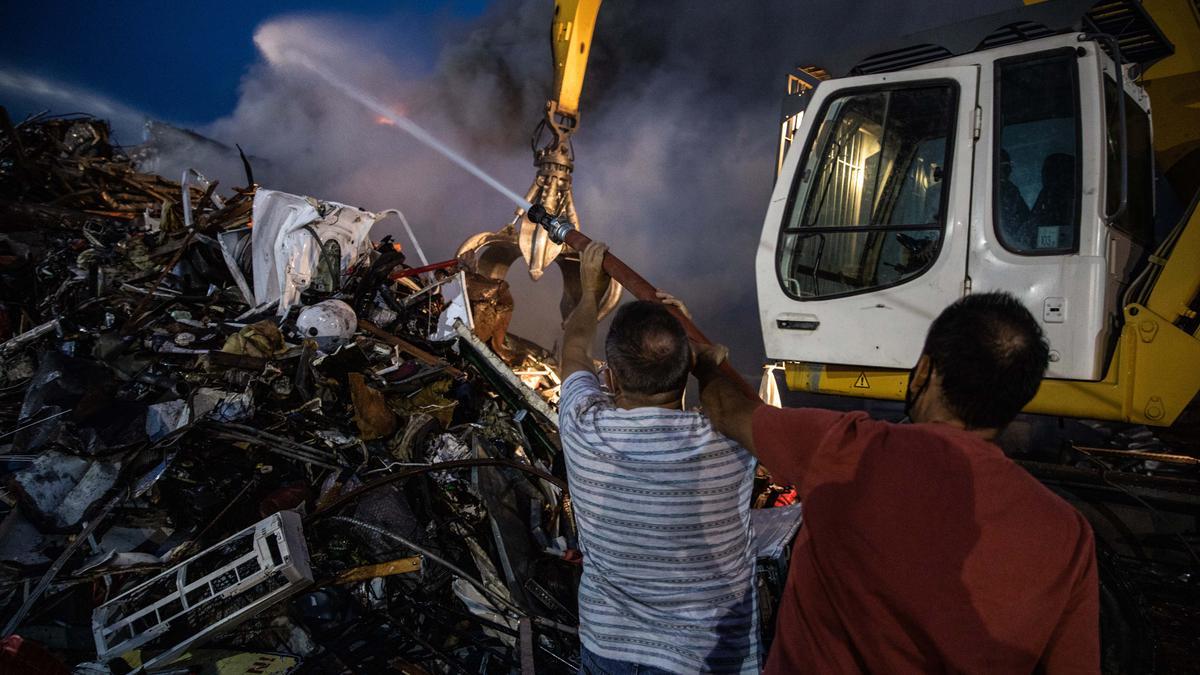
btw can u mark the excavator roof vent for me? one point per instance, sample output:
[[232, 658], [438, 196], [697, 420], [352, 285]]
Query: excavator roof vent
[[1140, 40], [899, 59], [1013, 33]]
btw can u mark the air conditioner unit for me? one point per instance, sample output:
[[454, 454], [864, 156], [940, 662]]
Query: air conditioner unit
[[207, 594]]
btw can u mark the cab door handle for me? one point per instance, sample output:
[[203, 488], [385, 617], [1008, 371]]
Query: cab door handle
[[797, 324]]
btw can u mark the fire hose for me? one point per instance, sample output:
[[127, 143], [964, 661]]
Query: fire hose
[[561, 232]]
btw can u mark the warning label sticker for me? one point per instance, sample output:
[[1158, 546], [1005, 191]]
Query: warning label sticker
[[861, 382]]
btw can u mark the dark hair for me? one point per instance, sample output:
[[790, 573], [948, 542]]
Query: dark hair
[[648, 349], [991, 355]]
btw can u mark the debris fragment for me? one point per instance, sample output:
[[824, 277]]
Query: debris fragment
[[260, 340], [371, 412]]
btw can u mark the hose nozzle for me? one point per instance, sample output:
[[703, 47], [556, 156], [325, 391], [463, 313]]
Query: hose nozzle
[[556, 228]]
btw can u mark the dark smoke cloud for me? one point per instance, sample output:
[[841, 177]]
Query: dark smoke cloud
[[674, 158]]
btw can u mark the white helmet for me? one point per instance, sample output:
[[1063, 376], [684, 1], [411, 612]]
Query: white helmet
[[328, 322]]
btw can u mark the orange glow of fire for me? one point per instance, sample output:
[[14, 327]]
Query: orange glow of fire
[[387, 121]]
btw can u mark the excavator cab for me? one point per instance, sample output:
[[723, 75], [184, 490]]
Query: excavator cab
[[1023, 164], [870, 205], [985, 172]]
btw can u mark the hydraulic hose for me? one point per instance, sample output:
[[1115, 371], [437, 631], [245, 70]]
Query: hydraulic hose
[[561, 232]]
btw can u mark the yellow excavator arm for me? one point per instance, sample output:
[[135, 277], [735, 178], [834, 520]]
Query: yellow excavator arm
[[571, 30], [574, 22]]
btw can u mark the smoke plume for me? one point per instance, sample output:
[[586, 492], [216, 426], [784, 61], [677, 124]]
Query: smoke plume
[[31, 91], [674, 156]]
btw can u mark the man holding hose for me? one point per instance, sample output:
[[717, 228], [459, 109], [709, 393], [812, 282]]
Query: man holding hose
[[662, 500], [924, 549]]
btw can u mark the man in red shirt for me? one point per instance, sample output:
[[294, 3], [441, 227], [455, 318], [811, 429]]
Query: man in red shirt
[[924, 549]]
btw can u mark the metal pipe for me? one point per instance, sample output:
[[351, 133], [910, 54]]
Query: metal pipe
[[276, 444], [412, 237], [428, 267], [34, 424]]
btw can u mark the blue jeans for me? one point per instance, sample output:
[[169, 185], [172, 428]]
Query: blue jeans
[[594, 664]]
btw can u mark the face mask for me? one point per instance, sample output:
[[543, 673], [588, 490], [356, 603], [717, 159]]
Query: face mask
[[911, 398]]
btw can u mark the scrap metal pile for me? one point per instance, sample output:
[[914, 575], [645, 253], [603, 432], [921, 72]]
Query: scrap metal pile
[[238, 430]]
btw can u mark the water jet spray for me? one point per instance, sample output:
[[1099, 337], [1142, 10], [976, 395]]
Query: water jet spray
[[395, 120]]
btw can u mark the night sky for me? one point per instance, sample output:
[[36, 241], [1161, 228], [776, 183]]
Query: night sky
[[177, 61]]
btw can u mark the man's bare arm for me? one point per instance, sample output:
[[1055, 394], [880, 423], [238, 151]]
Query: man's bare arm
[[725, 403], [580, 329]]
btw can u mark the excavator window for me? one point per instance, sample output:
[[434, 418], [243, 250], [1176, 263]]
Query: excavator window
[[868, 208], [1036, 196], [1138, 219]]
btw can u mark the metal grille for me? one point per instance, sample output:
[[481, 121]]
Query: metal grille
[[1014, 33], [899, 59], [208, 593], [1139, 38]]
